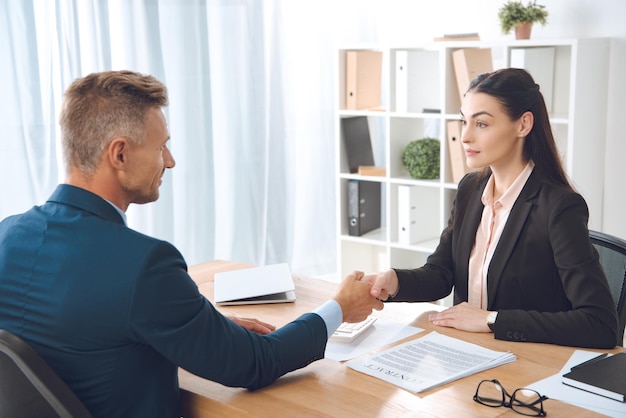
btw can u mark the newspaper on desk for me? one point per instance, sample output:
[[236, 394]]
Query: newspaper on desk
[[429, 361]]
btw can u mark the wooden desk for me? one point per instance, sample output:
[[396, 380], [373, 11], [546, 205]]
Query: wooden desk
[[327, 388]]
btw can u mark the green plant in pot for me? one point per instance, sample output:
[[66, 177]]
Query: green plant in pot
[[421, 158], [514, 15]]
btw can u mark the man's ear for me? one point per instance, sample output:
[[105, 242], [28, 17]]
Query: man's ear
[[527, 120], [117, 152]]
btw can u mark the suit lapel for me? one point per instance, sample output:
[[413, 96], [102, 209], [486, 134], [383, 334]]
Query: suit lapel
[[467, 236], [511, 234]]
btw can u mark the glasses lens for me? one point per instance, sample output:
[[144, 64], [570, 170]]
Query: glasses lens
[[527, 402], [490, 393]]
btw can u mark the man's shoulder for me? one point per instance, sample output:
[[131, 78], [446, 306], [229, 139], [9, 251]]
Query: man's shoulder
[[86, 201]]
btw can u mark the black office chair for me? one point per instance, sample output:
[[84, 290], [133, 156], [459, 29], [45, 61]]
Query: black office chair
[[29, 387], [613, 259]]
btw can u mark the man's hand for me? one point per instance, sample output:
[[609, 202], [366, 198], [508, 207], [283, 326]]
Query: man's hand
[[383, 284], [354, 297], [253, 325], [462, 316]]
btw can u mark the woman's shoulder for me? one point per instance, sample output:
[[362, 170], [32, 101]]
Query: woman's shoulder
[[472, 180], [559, 196], [557, 190]]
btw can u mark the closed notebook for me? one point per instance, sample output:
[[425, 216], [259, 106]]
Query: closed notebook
[[606, 377], [256, 285]]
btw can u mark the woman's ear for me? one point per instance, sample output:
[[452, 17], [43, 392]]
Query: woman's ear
[[526, 122]]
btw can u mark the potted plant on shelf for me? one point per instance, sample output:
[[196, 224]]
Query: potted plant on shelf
[[421, 158], [514, 15]]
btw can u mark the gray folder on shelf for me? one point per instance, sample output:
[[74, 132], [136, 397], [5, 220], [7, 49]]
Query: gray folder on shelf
[[358, 145]]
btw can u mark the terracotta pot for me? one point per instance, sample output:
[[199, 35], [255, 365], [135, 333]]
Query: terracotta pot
[[522, 30]]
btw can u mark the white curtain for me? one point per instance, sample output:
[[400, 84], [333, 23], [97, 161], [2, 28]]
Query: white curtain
[[251, 116]]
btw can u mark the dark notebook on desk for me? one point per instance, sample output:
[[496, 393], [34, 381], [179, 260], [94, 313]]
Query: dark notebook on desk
[[605, 377]]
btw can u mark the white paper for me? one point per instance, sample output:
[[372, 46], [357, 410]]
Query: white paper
[[381, 333], [407, 312], [429, 361], [553, 388]]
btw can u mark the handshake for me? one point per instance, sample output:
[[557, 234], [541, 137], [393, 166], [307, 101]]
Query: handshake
[[359, 294]]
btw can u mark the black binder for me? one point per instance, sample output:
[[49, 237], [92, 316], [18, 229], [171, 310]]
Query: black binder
[[358, 145], [363, 206]]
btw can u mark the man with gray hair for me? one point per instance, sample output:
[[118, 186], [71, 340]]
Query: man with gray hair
[[113, 311]]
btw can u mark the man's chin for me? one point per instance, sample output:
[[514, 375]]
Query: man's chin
[[143, 199]]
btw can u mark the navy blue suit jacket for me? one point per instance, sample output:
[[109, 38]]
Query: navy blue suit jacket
[[544, 279], [115, 312]]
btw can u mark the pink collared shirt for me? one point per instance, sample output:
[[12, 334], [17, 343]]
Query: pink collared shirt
[[495, 215]]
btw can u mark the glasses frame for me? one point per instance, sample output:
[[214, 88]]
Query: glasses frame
[[510, 401]]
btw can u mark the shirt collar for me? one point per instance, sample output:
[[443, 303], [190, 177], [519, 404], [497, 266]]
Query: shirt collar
[[511, 194], [120, 211]]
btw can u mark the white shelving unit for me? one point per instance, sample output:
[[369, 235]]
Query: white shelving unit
[[578, 109]]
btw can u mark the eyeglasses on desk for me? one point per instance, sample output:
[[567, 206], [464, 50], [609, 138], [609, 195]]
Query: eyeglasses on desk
[[523, 401]]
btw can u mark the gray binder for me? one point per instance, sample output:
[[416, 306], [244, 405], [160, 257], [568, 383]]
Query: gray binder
[[363, 206]]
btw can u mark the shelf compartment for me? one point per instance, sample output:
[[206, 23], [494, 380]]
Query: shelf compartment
[[362, 256], [426, 214], [405, 129], [377, 129], [415, 77]]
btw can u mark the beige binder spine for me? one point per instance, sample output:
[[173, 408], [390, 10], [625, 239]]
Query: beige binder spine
[[456, 152], [470, 63], [363, 79]]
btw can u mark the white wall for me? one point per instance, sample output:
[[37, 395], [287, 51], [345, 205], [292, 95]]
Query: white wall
[[413, 21]]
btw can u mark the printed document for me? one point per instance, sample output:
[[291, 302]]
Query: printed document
[[429, 361]]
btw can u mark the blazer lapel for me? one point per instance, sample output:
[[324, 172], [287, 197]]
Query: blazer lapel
[[511, 233], [467, 237]]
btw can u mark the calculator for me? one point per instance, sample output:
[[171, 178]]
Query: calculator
[[348, 332]]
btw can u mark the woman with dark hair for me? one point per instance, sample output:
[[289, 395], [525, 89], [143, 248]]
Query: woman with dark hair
[[516, 250]]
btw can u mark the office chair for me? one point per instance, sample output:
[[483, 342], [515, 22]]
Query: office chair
[[29, 387], [613, 260]]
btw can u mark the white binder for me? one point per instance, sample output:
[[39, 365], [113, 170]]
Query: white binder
[[407, 215]]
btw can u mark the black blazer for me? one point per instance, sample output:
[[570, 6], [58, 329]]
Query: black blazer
[[545, 279]]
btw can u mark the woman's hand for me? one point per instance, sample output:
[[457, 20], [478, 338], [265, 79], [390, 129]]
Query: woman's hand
[[462, 316], [383, 284]]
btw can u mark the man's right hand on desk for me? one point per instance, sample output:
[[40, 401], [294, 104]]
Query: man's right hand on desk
[[355, 298], [253, 325]]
